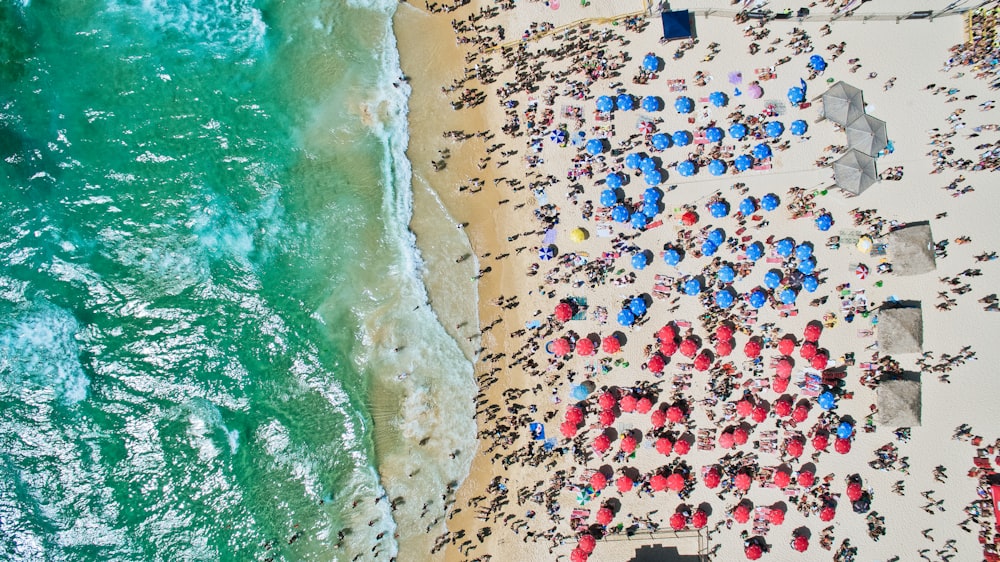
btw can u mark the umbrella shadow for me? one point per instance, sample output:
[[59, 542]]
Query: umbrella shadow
[[621, 337], [632, 473], [607, 470], [706, 507], [802, 532], [808, 467], [614, 504]]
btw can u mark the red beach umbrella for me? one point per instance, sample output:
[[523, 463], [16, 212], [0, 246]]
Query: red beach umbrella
[[784, 368], [564, 311], [656, 364], [663, 445], [610, 344], [787, 345], [800, 543], [678, 521], [628, 444], [578, 555], [658, 483], [602, 443], [741, 514], [568, 429], [776, 516], [665, 333], [724, 347], [726, 440], [854, 491], [754, 552], [800, 413], [598, 481], [821, 442], [702, 362], [605, 516], [783, 408], [668, 347], [744, 408], [658, 419], [742, 481], [759, 414], [561, 347], [806, 479], [607, 400], [827, 513], [624, 484], [812, 332], [644, 405], [752, 348], [689, 348], [780, 384], [712, 478], [808, 350], [689, 218], [587, 543], [699, 519], [740, 436], [682, 447], [675, 482], [819, 361], [782, 479], [584, 347], [842, 446], [574, 415], [628, 403], [607, 418], [724, 332], [675, 414], [794, 448]]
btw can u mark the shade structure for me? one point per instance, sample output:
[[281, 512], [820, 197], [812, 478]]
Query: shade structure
[[653, 178], [757, 298], [681, 138], [598, 481], [772, 279], [761, 151], [619, 213], [613, 181], [568, 429], [584, 347], [658, 482], [776, 516], [675, 414], [578, 234], [854, 491], [774, 129], [718, 209], [605, 104], [647, 165], [601, 443], [703, 361], [784, 247], [717, 168], [800, 413], [625, 102], [682, 447], [786, 345], [900, 330], [664, 446], [606, 400], [755, 251], [899, 401], [798, 127], [854, 172], [796, 95], [810, 283], [650, 62], [754, 91], [628, 444], [686, 168], [742, 481], [714, 134], [712, 478], [666, 332], [827, 513], [806, 479], [684, 104], [740, 436], [633, 159], [807, 266], [607, 418], [726, 274], [608, 198], [819, 361], [699, 519], [644, 405], [671, 256], [692, 287], [742, 163], [660, 141], [651, 103], [561, 347], [689, 347], [817, 63], [800, 543], [843, 103], [675, 482], [595, 147], [587, 543], [769, 202], [738, 131], [656, 363], [718, 99], [625, 317], [628, 403], [678, 521], [564, 311], [605, 516], [624, 484], [640, 261], [759, 413], [867, 134], [741, 514], [842, 446], [782, 479], [824, 222]]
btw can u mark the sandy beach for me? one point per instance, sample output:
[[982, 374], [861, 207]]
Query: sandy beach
[[751, 374]]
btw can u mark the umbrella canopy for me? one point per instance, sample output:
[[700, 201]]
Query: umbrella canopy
[[620, 213], [747, 206], [614, 181], [820, 442], [794, 448], [796, 95], [625, 317], [726, 440], [651, 103], [843, 103], [578, 234], [668, 347], [726, 274], [587, 543], [640, 261], [779, 384], [689, 347], [785, 247], [827, 513], [660, 141], [607, 418], [628, 443], [546, 253], [810, 283], [783, 408], [755, 91], [595, 147], [579, 392], [738, 131], [684, 104], [625, 102], [699, 519], [578, 555], [568, 429], [663, 445], [692, 287], [708, 248], [787, 296], [819, 361], [682, 447], [757, 298], [772, 279], [854, 491], [584, 347], [564, 311], [653, 178], [782, 479], [658, 419], [644, 405], [742, 163], [628, 403], [561, 347], [610, 344], [647, 165], [675, 482], [718, 236], [658, 482], [686, 168], [681, 138], [606, 400], [656, 364], [598, 481], [742, 481], [666, 332], [675, 414], [624, 484], [718, 209], [854, 172], [776, 516], [803, 251], [633, 160], [714, 134], [759, 414], [558, 136], [800, 543], [798, 127], [671, 256], [824, 222], [689, 218], [774, 129], [604, 516], [741, 514], [574, 415], [723, 348], [718, 99], [842, 446], [783, 368], [786, 345], [651, 62], [800, 413], [806, 479], [769, 202], [752, 348], [817, 63], [678, 521], [845, 430], [761, 151], [608, 198], [740, 436], [808, 350], [807, 266], [605, 104], [601, 443], [712, 478], [753, 552], [703, 361], [755, 251], [651, 195], [717, 168]]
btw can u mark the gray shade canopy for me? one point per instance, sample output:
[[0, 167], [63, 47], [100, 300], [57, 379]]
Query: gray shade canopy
[[842, 103], [867, 134], [898, 401], [854, 172], [900, 330], [912, 250]]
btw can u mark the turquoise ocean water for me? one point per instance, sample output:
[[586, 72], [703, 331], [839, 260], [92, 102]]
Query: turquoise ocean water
[[213, 337]]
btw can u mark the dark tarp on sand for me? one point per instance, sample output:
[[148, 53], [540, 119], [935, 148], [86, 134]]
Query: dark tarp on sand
[[676, 24]]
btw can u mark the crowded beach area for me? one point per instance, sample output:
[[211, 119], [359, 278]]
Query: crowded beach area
[[736, 267]]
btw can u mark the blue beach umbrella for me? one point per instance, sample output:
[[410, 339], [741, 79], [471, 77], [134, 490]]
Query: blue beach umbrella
[[787, 296], [651, 103], [827, 400], [772, 279], [718, 99], [724, 299], [637, 305], [761, 151], [639, 221], [639, 261], [755, 251], [619, 213], [798, 127], [748, 207], [726, 274], [738, 131], [650, 208], [633, 160], [653, 177], [682, 138], [625, 102], [686, 168], [810, 284], [714, 134], [718, 209], [626, 318], [647, 165], [757, 298], [651, 195], [743, 162], [671, 256], [774, 129], [796, 95], [608, 198], [845, 430], [684, 104], [578, 392], [595, 147], [718, 236], [651, 62], [785, 247], [717, 168], [660, 141], [708, 248], [605, 104], [692, 287], [558, 136], [614, 181], [545, 253], [803, 251], [807, 266], [824, 222], [769, 202], [817, 63]]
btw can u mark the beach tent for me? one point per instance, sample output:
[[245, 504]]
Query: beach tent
[[676, 24], [867, 134], [854, 172], [912, 249], [899, 401], [842, 103], [900, 330]]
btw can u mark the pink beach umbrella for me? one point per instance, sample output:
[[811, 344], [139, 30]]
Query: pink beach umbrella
[[712, 478], [624, 484], [794, 448], [782, 479], [561, 347], [675, 482], [607, 418], [741, 514], [776, 516], [726, 440], [675, 414], [667, 332], [787, 345], [584, 347], [578, 555], [800, 543], [699, 519], [784, 367], [842, 446], [744, 408], [598, 481], [780, 384], [808, 350], [827, 513], [607, 401], [668, 348], [806, 479], [628, 444], [724, 348], [574, 415], [628, 403], [663, 445], [783, 408], [587, 543], [742, 481], [689, 347], [812, 332], [658, 418], [644, 405], [564, 311], [800, 413], [678, 521], [682, 447], [602, 443], [702, 362], [658, 483], [821, 442], [752, 348], [568, 429], [610, 344], [819, 361], [605, 516], [724, 332], [656, 364], [759, 413], [740, 436]]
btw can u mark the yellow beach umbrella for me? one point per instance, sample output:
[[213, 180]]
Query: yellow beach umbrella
[[578, 235], [865, 244]]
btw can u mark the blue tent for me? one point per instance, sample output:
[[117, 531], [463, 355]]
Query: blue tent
[[595, 147], [724, 299], [650, 103], [807, 266], [608, 197], [824, 222], [798, 127], [717, 168], [714, 134], [761, 151], [676, 24], [787, 296], [605, 104], [803, 251], [682, 138], [671, 256], [619, 213], [772, 279], [653, 177], [845, 430], [718, 209], [647, 165], [796, 95], [639, 220], [686, 168], [650, 208], [633, 160], [785, 247], [748, 207], [810, 284], [692, 287], [651, 63], [708, 248], [660, 141], [738, 131], [639, 261], [769, 202], [626, 318], [614, 181], [625, 102], [757, 298], [651, 195], [817, 63], [743, 162], [545, 253], [773, 129], [579, 392], [684, 104], [637, 305], [558, 136], [726, 274], [718, 236], [755, 251], [718, 99]]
